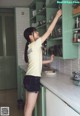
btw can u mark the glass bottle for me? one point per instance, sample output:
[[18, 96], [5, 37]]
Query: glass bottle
[[75, 36], [77, 23]]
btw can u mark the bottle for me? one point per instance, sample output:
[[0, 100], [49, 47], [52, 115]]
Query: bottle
[[75, 36], [78, 40], [77, 23], [43, 7]]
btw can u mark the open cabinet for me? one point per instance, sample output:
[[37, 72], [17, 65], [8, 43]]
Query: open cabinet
[[60, 42]]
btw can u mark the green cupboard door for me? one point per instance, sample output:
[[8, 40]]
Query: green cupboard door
[[8, 76], [2, 68], [1, 39], [40, 109], [10, 58]]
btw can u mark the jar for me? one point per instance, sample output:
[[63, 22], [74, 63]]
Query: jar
[[77, 23], [78, 40], [75, 36]]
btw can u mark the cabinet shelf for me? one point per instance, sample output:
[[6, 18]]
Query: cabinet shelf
[[76, 29], [44, 25], [75, 15], [33, 18], [77, 43], [55, 39], [52, 4], [42, 12], [58, 57], [33, 3]]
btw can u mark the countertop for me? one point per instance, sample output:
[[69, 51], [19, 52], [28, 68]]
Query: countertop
[[62, 85]]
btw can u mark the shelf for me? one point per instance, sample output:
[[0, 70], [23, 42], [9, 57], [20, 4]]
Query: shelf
[[55, 39], [41, 26], [48, 23], [42, 12], [52, 4], [76, 29], [32, 5], [33, 18], [58, 57], [77, 43], [75, 15]]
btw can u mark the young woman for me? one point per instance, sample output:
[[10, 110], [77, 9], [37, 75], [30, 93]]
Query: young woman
[[33, 55]]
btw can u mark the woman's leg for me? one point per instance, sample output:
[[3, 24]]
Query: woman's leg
[[31, 98]]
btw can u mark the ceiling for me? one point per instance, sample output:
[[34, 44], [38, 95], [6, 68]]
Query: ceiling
[[14, 3]]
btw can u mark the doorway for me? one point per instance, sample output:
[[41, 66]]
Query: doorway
[[8, 72]]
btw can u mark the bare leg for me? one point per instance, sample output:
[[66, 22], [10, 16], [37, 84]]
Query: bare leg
[[30, 102]]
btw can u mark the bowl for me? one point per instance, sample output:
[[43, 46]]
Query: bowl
[[50, 73]]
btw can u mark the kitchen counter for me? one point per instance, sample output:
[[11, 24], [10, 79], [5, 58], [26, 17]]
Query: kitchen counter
[[62, 85]]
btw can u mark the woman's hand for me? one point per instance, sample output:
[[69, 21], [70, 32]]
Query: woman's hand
[[48, 61], [52, 57], [59, 13]]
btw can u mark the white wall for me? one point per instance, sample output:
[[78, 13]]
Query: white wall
[[22, 22], [14, 3]]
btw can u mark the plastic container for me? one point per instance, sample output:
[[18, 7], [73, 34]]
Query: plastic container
[[76, 82]]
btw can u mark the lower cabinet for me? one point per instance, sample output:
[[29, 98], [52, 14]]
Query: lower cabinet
[[56, 107], [71, 112], [21, 90]]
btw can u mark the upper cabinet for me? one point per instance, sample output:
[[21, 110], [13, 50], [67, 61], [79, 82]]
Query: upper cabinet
[[76, 29], [60, 42]]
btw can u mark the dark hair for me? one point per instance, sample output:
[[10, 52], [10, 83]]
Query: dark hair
[[27, 32]]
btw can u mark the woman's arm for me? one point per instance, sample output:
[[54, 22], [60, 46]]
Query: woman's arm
[[51, 27], [48, 61]]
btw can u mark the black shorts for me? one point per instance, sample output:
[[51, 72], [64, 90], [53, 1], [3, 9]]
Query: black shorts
[[31, 83]]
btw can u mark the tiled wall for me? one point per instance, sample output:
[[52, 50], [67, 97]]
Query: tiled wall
[[67, 66], [22, 22]]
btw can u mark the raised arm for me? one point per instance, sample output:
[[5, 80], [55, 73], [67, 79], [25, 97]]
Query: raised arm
[[51, 27]]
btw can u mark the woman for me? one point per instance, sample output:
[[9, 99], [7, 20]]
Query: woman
[[33, 55]]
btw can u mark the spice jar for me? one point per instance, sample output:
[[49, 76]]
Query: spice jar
[[75, 36], [77, 23], [78, 40]]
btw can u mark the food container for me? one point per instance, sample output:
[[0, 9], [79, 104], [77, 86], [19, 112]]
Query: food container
[[50, 73], [76, 82], [76, 78]]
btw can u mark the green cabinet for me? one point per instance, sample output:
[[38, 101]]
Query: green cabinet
[[41, 103], [41, 14], [20, 88], [76, 29]]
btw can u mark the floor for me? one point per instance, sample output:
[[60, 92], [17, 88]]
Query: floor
[[8, 98]]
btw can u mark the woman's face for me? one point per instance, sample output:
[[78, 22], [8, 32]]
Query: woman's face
[[36, 35]]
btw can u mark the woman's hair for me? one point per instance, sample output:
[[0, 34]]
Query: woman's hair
[[27, 32]]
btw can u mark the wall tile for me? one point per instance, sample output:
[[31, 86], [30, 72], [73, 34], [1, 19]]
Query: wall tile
[[61, 67], [68, 66]]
